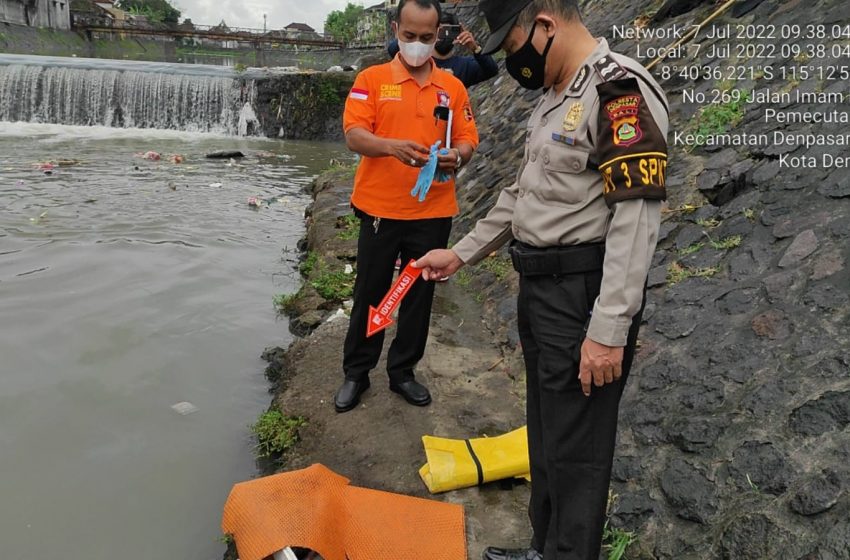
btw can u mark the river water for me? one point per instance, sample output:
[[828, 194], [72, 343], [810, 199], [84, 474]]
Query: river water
[[128, 286]]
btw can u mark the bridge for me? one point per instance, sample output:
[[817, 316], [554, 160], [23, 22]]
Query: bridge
[[256, 37]]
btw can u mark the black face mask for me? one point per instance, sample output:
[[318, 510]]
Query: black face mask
[[527, 66], [444, 46]]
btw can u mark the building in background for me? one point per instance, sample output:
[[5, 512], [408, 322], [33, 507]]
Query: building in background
[[53, 14]]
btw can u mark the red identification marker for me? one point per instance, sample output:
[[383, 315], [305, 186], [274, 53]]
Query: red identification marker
[[379, 318]]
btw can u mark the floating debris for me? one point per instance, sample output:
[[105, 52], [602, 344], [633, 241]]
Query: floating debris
[[216, 185], [225, 154], [38, 220], [255, 202], [68, 162], [184, 408], [176, 158], [151, 156]]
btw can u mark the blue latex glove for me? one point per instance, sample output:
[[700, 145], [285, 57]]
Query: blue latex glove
[[426, 174], [443, 176]]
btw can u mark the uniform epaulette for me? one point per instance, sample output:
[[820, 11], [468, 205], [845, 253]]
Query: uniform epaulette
[[609, 69]]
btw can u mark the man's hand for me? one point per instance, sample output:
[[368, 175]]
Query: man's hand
[[439, 264], [600, 364], [449, 161], [408, 152], [467, 39]]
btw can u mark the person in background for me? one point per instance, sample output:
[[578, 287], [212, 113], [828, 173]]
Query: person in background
[[391, 119], [470, 70]]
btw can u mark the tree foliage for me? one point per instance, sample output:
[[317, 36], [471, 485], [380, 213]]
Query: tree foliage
[[157, 11], [342, 24]]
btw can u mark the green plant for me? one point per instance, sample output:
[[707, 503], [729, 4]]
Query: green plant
[[309, 263], [349, 227], [463, 277], [727, 242], [333, 285], [342, 24], [500, 266], [709, 224], [690, 250], [328, 94], [752, 484], [239, 67], [276, 432], [750, 214], [616, 541], [720, 117], [676, 272], [285, 303], [226, 539]]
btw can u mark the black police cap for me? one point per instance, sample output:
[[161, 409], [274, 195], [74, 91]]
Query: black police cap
[[501, 16]]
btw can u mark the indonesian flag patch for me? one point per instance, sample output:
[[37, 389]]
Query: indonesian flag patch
[[360, 94]]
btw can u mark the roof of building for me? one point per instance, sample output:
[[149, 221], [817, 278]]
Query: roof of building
[[300, 27]]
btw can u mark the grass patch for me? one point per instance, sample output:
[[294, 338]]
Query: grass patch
[[276, 432], [309, 263], [691, 249], [463, 278], [749, 214], [708, 224], [498, 265], [677, 273], [727, 243], [333, 286], [719, 117], [285, 303], [615, 541], [349, 227]]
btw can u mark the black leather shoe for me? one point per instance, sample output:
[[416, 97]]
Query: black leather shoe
[[348, 395], [413, 392], [493, 553]]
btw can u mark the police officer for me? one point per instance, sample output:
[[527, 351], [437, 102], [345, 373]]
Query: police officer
[[582, 218]]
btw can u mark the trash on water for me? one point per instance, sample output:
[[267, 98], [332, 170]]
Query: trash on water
[[254, 202], [215, 185], [151, 156], [68, 162], [176, 158], [184, 408], [20, 183], [39, 218]]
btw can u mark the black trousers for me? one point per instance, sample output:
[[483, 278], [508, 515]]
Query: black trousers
[[570, 437], [376, 256]]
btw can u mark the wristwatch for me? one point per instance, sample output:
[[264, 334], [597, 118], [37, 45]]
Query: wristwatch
[[459, 163]]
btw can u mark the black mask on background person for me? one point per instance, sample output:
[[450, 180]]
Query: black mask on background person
[[444, 46], [526, 65]]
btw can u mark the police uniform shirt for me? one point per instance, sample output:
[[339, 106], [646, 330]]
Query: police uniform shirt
[[593, 170]]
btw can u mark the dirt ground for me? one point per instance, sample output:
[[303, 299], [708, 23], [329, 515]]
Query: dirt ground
[[477, 391]]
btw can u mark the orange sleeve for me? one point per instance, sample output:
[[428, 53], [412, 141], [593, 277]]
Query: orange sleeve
[[360, 105], [464, 130]]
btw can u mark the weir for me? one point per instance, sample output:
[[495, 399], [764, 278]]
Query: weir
[[92, 92]]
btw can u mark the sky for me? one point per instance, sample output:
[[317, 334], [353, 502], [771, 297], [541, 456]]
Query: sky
[[249, 13]]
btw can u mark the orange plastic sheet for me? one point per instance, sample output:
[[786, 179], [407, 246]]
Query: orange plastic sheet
[[316, 508]]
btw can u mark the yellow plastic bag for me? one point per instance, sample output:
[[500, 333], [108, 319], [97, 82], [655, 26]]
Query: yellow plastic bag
[[459, 463]]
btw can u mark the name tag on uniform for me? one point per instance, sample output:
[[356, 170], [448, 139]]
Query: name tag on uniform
[[563, 139]]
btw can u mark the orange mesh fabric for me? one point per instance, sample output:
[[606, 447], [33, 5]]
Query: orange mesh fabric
[[315, 508], [300, 508], [384, 526]]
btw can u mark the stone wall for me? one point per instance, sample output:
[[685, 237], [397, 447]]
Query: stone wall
[[735, 425], [303, 106]]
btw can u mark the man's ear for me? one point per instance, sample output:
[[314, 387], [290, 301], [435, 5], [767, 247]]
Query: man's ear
[[395, 29], [548, 24]]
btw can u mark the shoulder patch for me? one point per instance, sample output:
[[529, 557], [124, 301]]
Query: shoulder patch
[[630, 146], [581, 78], [609, 69]]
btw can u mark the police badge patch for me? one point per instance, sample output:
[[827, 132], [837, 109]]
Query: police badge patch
[[623, 113], [573, 116]]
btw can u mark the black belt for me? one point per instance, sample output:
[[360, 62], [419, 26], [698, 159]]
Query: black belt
[[574, 259]]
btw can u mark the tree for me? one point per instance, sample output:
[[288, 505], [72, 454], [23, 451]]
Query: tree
[[157, 11], [342, 24]]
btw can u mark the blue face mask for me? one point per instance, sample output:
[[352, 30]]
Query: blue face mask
[[527, 66]]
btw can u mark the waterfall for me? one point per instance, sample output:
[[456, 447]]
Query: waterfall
[[117, 97]]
